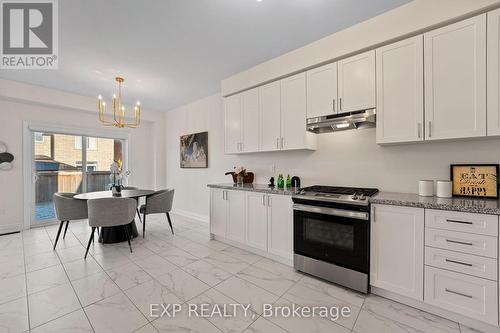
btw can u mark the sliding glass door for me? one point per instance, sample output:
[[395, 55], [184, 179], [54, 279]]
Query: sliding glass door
[[70, 163]]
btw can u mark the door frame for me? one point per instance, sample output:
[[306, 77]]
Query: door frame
[[30, 127]]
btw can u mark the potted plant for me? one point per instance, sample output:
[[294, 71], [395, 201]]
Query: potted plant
[[118, 175]]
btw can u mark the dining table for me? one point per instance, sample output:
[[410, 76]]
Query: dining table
[[110, 235]]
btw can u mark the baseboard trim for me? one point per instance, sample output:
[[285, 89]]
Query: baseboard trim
[[10, 228], [190, 215], [470, 322]]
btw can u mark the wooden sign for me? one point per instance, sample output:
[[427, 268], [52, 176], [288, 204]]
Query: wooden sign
[[475, 180]]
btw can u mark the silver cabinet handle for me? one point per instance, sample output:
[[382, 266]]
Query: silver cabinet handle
[[419, 129], [430, 128], [264, 200], [282, 143], [268, 201], [458, 262], [333, 105], [457, 293], [456, 221], [241, 146], [458, 242], [340, 103], [374, 215], [277, 143]]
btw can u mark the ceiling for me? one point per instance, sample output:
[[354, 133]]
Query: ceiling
[[172, 52]]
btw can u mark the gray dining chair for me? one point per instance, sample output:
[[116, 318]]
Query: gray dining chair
[[68, 209], [158, 203], [137, 199], [111, 212]]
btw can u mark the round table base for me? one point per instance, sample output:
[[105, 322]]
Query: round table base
[[110, 235]]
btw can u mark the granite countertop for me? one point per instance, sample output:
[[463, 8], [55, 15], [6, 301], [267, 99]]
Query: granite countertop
[[254, 188], [469, 205]]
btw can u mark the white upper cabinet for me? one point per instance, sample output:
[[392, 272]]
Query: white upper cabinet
[[400, 91], [270, 116], [322, 95], [455, 80], [397, 250], [250, 119], [356, 82], [493, 80], [293, 114], [232, 109]]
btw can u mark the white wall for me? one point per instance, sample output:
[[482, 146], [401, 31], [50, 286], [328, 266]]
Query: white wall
[[22, 102], [350, 158]]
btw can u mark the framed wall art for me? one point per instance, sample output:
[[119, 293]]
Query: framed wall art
[[475, 180], [194, 150]]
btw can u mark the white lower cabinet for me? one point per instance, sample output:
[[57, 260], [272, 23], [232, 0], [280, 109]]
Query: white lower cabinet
[[236, 216], [461, 293], [280, 226], [259, 221], [397, 250], [218, 212]]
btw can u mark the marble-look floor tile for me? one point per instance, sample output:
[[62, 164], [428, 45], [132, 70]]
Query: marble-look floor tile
[[303, 295], [227, 263], [294, 324], [485, 329], [12, 288], [333, 290], [285, 271], [81, 268], [52, 303], [178, 256], [41, 260], [245, 292], [11, 268], [369, 322], [409, 316], [111, 259], [213, 244], [94, 288], [182, 322], [147, 329], [128, 276], [262, 325], [46, 278], [197, 250], [267, 280], [237, 318], [115, 314], [74, 322], [139, 252], [240, 254], [182, 284], [14, 316], [156, 265], [151, 292], [206, 272], [71, 253]]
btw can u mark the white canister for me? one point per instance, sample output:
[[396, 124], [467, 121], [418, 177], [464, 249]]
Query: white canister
[[426, 188], [444, 188]]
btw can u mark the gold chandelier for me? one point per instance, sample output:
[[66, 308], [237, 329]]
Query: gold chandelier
[[118, 110]]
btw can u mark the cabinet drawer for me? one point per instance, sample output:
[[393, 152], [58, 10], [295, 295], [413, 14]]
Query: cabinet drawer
[[480, 245], [470, 296], [458, 221], [462, 263]]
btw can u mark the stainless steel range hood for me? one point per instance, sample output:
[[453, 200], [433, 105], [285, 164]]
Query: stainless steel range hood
[[342, 122]]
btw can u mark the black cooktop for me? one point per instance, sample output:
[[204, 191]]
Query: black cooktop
[[368, 192]]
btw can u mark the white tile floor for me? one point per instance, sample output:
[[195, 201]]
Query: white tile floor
[[42, 290]]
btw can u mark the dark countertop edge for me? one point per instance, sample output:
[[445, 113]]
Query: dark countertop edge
[[379, 199], [254, 188]]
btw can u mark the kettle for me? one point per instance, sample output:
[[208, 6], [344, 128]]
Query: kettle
[[295, 181]]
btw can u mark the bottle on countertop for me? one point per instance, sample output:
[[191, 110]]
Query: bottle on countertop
[[281, 181], [288, 182]]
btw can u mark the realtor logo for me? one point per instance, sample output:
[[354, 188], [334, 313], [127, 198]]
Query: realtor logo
[[29, 34]]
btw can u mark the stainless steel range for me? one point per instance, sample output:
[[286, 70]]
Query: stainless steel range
[[332, 234]]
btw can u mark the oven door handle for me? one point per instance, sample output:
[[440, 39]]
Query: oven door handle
[[332, 211]]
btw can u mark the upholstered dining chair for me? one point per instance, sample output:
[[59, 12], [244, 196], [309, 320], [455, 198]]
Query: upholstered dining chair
[[137, 208], [111, 212], [68, 209], [158, 203]]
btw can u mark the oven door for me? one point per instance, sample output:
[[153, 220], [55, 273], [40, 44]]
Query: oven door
[[335, 235]]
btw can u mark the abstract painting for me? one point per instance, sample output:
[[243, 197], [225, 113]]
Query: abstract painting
[[194, 150]]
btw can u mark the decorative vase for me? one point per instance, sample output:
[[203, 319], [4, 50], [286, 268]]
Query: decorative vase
[[116, 190], [239, 179]]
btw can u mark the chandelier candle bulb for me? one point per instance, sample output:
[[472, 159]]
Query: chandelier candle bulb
[[118, 119]]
